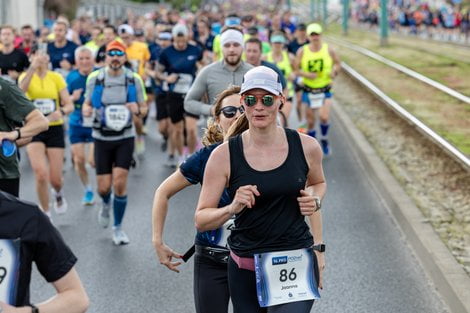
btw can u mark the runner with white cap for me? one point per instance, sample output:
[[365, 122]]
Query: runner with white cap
[[275, 178]]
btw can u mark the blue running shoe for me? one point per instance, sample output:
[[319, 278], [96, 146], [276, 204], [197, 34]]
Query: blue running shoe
[[88, 198], [325, 147]]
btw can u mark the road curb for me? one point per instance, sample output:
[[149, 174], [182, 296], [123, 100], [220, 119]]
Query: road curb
[[449, 278]]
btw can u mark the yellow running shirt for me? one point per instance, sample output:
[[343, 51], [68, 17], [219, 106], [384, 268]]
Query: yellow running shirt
[[41, 91], [285, 67], [138, 54], [319, 62]]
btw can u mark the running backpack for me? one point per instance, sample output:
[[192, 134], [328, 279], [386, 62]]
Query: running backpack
[[97, 103], [97, 94]]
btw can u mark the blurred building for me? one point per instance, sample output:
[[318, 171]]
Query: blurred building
[[21, 12]]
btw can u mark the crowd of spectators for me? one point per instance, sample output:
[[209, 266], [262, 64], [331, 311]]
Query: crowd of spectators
[[448, 21]]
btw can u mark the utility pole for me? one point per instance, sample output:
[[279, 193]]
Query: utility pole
[[383, 23], [312, 10], [345, 17], [325, 13]]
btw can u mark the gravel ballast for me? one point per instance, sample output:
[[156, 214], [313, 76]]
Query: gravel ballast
[[438, 185]]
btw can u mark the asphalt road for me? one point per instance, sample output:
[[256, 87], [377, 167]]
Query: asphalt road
[[370, 267]]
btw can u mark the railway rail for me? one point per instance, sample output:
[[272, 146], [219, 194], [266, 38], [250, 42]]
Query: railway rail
[[402, 112]]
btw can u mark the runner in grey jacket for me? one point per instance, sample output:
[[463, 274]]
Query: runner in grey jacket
[[215, 78]]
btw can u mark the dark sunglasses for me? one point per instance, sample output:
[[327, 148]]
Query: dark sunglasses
[[314, 34], [118, 53], [251, 100], [230, 111]]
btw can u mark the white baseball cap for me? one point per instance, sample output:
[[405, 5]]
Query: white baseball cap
[[262, 77], [125, 29], [179, 30]]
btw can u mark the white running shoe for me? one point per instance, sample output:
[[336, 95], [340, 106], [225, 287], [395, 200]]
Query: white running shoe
[[119, 236], [60, 204], [103, 216]]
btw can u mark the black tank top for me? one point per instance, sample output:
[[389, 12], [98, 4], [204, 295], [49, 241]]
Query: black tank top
[[275, 222]]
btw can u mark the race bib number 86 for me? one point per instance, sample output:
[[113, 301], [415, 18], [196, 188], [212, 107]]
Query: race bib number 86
[[285, 276], [9, 267]]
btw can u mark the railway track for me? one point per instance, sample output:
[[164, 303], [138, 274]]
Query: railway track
[[401, 68], [426, 131]]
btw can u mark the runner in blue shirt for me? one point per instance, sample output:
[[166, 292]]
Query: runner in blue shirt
[[177, 67], [79, 127], [163, 118], [61, 51]]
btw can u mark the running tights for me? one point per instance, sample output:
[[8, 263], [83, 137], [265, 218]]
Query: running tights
[[211, 293]]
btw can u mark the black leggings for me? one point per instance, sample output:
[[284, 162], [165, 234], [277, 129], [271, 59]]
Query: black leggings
[[211, 293], [242, 285], [12, 186]]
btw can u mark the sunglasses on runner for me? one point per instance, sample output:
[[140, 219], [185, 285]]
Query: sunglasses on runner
[[230, 111], [118, 53], [251, 100]]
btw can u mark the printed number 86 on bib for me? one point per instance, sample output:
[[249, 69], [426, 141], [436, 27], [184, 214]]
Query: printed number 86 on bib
[[283, 276]]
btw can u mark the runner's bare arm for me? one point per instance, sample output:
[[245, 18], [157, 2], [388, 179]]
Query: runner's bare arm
[[66, 101], [172, 185], [336, 62], [70, 297]]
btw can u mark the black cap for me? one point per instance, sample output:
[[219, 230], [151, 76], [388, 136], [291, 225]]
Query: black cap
[[253, 30], [302, 26]]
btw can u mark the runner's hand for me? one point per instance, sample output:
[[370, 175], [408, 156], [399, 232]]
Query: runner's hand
[[76, 94], [306, 203], [172, 78], [54, 116], [87, 110], [310, 75], [36, 60], [133, 107], [321, 267], [244, 197], [12, 136], [165, 254]]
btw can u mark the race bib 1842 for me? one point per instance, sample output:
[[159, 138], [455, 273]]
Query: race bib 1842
[[9, 267], [117, 117], [285, 276]]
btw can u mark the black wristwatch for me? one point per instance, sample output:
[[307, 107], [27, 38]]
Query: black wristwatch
[[320, 247], [317, 203], [18, 131], [34, 309]]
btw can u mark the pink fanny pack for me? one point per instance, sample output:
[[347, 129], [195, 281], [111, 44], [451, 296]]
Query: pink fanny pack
[[243, 263]]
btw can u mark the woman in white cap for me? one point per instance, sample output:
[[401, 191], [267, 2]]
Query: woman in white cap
[[275, 178]]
